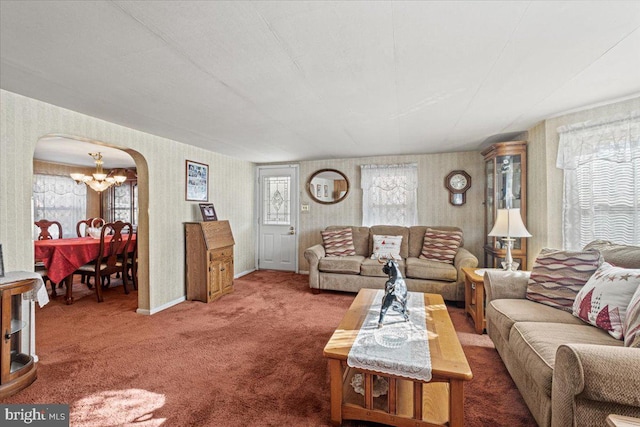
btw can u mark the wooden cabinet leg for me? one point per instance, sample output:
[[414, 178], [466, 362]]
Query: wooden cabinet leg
[[335, 375]]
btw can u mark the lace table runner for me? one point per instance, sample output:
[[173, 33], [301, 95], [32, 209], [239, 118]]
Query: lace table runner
[[399, 348]]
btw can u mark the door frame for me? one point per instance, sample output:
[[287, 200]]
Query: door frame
[[295, 210]]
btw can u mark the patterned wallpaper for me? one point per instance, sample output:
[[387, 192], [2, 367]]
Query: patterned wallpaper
[[433, 197], [161, 172]]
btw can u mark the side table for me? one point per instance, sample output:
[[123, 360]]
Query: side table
[[474, 298]]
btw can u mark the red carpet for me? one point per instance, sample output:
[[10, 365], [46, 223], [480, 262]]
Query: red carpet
[[252, 358]]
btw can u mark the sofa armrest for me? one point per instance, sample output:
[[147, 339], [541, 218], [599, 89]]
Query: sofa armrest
[[502, 284], [463, 259], [313, 256], [592, 381]]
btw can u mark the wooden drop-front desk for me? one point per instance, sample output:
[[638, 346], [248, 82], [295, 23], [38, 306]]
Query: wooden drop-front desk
[[209, 253]]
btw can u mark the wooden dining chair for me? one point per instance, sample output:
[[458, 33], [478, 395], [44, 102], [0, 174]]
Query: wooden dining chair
[[132, 265], [115, 239], [83, 225], [45, 225]]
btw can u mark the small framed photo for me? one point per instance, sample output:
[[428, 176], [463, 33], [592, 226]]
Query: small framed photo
[[197, 182], [1, 263], [208, 212]]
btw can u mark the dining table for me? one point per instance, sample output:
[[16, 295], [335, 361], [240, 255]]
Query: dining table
[[62, 257]]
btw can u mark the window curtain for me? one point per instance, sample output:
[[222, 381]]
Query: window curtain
[[601, 163], [59, 198], [389, 194]]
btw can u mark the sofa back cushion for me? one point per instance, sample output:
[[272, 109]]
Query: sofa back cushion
[[391, 230], [631, 327], [557, 276], [416, 237], [615, 254], [360, 238]]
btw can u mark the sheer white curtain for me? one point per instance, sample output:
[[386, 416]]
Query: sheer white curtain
[[601, 163], [389, 194], [59, 198]]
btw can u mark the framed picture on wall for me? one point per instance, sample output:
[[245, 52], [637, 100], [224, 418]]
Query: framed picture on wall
[[197, 182], [208, 212]]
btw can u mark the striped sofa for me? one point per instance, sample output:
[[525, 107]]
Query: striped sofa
[[353, 272]]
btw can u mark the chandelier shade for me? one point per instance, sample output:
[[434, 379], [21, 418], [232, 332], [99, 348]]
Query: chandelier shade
[[99, 181]]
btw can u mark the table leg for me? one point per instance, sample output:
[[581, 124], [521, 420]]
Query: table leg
[[479, 308], [456, 403], [68, 281], [335, 375]]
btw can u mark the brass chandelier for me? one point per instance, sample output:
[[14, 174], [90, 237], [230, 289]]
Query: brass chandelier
[[99, 181]]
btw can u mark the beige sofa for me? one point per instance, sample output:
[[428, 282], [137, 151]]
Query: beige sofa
[[351, 273], [569, 372]]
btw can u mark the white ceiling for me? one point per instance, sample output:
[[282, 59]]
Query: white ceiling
[[284, 81]]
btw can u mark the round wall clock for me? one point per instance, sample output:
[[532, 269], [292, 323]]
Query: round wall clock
[[457, 182]]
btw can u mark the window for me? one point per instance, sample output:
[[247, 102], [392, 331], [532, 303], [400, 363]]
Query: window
[[59, 198], [389, 194], [601, 163], [122, 203]]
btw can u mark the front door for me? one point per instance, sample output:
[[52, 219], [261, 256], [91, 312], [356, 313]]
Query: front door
[[278, 218]]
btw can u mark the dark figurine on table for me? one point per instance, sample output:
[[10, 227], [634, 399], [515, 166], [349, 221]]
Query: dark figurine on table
[[395, 292]]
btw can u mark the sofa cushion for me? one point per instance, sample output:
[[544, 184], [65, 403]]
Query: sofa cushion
[[506, 312], [616, 254], [603, 300], [631, 327], [391, 230], [360, 238], [338, 242], [536, 344], [373, 268], [416, 237], [431, 270], [440, 245], [557, 276], [386, 247], [341, 264]]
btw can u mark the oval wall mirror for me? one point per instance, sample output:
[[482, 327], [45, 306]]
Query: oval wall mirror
[[328, 186]]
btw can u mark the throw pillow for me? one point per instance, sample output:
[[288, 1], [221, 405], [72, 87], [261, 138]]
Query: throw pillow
[[440, 245], [604, 299], [631, 325], [386, 247], [557, 276], [338, 242]]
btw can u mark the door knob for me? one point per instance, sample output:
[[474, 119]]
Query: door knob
[[292, 230]]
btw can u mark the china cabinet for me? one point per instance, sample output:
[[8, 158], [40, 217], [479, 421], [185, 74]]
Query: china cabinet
[[506, 188], [209, 249], [17, 365]]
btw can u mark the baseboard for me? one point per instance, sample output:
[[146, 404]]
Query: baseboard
[[303, 272], [155, 310], [244, 273]]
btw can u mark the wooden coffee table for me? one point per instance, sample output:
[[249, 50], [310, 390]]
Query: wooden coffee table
[[407, 402]]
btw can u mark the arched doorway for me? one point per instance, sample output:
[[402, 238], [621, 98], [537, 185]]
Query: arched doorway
[[59, 154]]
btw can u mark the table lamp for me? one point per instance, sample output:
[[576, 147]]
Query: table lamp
[[509, 225]]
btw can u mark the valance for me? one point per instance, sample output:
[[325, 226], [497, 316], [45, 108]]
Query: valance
[[615, 139], [388, 177]]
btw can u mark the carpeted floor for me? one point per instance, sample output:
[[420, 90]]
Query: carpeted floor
[[252, 358]]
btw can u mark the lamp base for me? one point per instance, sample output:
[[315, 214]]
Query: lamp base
[[508, 263], [510, 267]]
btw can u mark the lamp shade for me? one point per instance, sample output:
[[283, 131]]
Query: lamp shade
[[509, 223]]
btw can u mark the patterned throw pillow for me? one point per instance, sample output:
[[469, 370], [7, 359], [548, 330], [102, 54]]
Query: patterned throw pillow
[[386, 247], [440, 245], [631, 325], [603, 301], [557, 276], [338, 242]]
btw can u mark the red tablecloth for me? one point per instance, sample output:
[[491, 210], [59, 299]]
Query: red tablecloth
[[64, 256]]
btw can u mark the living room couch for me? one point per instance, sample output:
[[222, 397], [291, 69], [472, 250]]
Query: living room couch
[[569, 372], [351, 273]]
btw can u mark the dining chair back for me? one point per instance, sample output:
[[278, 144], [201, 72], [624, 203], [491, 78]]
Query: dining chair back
[[45, 226], [83, 226], [115, 239]]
